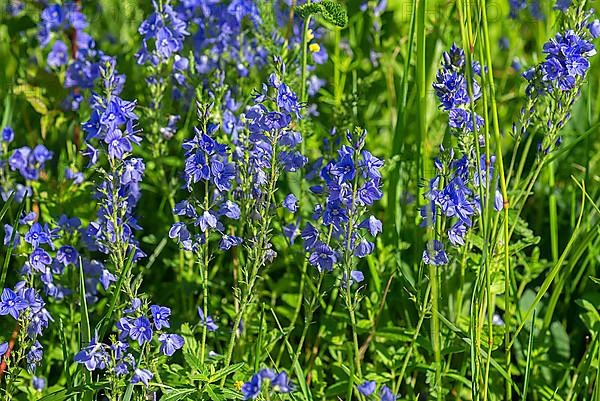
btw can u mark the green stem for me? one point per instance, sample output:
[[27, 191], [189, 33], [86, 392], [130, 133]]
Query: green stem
[[308, 320], [421, 82], [500, 165], [258, 253], [553, 212], [303, 93]]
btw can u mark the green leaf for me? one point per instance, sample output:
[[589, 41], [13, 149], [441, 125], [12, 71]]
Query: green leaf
[[16, 25], [560, 338], [193, 361], [85, 318], [33, 95], [7, 204], [225, 372], [84, 328], [105, 322], [65, 352], [10, 247], [128, 393], [69, 394], [213, 396], [177, 394], [331, 11]]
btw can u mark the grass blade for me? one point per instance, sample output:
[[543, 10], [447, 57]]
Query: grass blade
[[11, 247], [7, 205], [105, 322], [528, 365]]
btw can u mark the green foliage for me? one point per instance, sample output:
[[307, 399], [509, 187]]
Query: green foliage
[[330, 11]]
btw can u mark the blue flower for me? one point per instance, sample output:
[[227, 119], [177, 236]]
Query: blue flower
[[287, 99], [67, 255], [463, 120], [52, 16], [38, 235], [121, 369], [76, 177], [594, 28], [335, 214], [566, 60], [184, 208], [323, 257], [386, 394], [372, 224], [244, 8], [142, 375], [281, 383], [364, 248], [206, 221], [451, 89], [223, 174], [166, 29], [251, 389], [160, 316], [39, 259], [11, 303], [34, 356], [207, 321], [59, 55], [345, 169], [367, 388], [124, 326], [91, 153], [94, 356], [119, 348], [38, 383], [180, 231], [290, 231], [170, 343], [516, 6], [457, 233], [29, 162], [290, 203], [562, 5], [136, 303], [369, 193], [266, 374], [370, 165], [229, 241], [3, 349], [230, 209], [356, 276], [140, 330], [118, 144], [8, 135], [133, 171], [434, 254]]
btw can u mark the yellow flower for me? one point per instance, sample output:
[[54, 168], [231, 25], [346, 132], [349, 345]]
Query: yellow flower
[[238, 385], [314, 47], [309, 35]]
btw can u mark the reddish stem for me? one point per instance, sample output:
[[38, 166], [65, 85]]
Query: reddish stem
[[11, 346], [73, 40]]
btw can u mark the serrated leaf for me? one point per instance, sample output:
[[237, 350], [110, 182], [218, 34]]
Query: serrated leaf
[[68, 394], [213, 396], [105, 322], [331, 11], [218, 375], [560, 338], [177, 394], [193, 361]]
